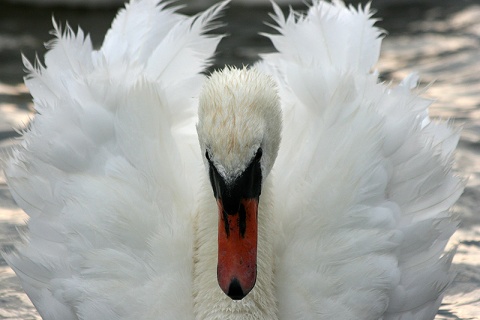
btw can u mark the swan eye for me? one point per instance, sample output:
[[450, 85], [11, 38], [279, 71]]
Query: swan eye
[[207, 156]]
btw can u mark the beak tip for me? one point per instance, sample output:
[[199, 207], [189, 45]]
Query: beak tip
[[235, 291]]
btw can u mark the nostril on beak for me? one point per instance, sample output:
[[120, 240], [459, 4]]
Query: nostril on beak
[[235, 291]]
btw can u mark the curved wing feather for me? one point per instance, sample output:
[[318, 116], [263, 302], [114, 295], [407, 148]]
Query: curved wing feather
[[363, 177], [107, 169]]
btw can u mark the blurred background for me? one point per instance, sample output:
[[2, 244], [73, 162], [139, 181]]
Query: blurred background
[[438, 38]]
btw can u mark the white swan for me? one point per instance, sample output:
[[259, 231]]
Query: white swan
[[353, 213]]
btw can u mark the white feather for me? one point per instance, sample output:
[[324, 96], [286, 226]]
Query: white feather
[[363, 176], [102, 170], [353, 220]]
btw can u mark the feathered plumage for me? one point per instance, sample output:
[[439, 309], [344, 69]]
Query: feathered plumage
[[376, 168], [353, 219]]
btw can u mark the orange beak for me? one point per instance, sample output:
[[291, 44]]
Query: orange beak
[[237, 249], [237, 202]]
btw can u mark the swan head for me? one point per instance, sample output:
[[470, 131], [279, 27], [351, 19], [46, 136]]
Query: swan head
[[239, 133]]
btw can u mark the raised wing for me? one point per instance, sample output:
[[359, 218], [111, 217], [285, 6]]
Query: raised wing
[[107, 169], [363, 178]]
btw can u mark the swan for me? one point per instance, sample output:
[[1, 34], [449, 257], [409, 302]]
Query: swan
[[299, 188]]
